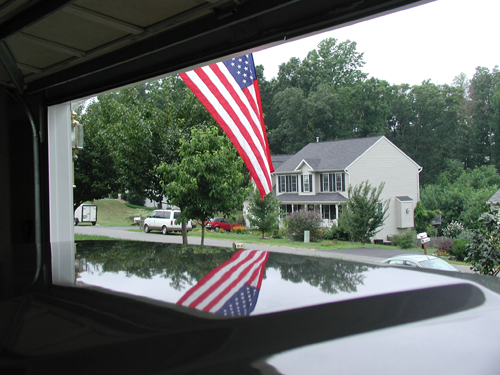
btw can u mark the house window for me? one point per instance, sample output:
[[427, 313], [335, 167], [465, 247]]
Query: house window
[[333, 182], [329, 212], [288, 184], [307, 183], [286, 209], [325, 185], [338, 182]]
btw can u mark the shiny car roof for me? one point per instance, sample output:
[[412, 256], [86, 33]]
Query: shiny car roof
[[288, 281]]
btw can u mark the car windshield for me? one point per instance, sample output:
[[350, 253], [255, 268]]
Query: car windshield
[[437, 264]]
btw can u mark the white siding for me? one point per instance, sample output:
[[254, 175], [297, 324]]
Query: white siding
[[384, 162]]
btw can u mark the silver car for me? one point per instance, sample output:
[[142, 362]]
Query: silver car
[[420, 261]]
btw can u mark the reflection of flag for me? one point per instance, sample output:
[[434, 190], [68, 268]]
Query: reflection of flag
[[230, 92], [232, 288]]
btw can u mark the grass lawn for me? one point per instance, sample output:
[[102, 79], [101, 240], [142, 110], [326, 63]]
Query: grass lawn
[[115, 213], [86, 237]]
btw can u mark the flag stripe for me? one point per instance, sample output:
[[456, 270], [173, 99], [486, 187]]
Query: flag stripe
[[230, 92], [234, 130], [198, 86], [246, 267], [223, 295], [236, 99], [213, 277], [214, 289]]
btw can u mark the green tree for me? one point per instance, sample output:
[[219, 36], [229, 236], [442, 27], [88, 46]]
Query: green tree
[[364, 212], [264, 213], [422, 217], [484, 245], [142, 127], [289, 137], [96, 175], [208, 179], [460, 194], [483, 88]]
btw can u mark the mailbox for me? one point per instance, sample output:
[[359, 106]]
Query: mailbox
[[421, 235]]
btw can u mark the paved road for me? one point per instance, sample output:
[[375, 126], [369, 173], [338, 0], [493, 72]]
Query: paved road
[[365, 255]]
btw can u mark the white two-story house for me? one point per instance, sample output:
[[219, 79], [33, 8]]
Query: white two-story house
[[318, 177]]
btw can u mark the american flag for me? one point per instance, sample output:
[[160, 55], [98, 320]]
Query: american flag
[[230, 92], [232, 288]]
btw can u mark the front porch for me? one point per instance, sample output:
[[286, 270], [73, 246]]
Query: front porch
[[329, 206]]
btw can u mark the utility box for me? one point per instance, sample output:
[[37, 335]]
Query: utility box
[[404, 212], [86, 213]]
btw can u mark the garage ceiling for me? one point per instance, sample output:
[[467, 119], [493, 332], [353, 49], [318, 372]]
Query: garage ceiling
[[69, 49]]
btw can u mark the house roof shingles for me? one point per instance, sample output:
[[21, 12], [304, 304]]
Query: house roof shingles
[[327, 198], [328, 156], [495, 199]]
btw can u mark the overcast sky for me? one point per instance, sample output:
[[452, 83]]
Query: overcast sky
[[436, 41]]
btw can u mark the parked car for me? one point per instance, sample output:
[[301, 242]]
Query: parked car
[[165, 220], [218, 223], [420, 261]]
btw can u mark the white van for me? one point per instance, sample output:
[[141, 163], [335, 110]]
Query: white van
[[85, 213], [164, 220]]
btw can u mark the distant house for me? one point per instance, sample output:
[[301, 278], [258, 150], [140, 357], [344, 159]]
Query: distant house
[[318, 176], [494, 201]]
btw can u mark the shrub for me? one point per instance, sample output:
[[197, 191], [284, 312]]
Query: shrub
[[336, 233], [405, 240], [465, 234], [446, 244], [364, 214], [239, 229], [299, 221], [460, 248], [431, 230], [484, 246], [453, 229]]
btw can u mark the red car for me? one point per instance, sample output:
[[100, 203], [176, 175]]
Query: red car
[[218, 223]]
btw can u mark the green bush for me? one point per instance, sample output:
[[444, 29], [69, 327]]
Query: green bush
[[460, 248], [336, 233], [404, 240], [299, 221], [483, 249], [431, 230]]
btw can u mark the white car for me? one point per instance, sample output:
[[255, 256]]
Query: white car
[[165, 220], [420, 261]]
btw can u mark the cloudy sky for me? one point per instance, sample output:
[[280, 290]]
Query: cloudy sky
[[436, 41]]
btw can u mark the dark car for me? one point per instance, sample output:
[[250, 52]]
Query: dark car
[[218, 223]]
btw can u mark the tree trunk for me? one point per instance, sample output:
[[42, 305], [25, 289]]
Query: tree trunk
[[184, 234], [202, 233]]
